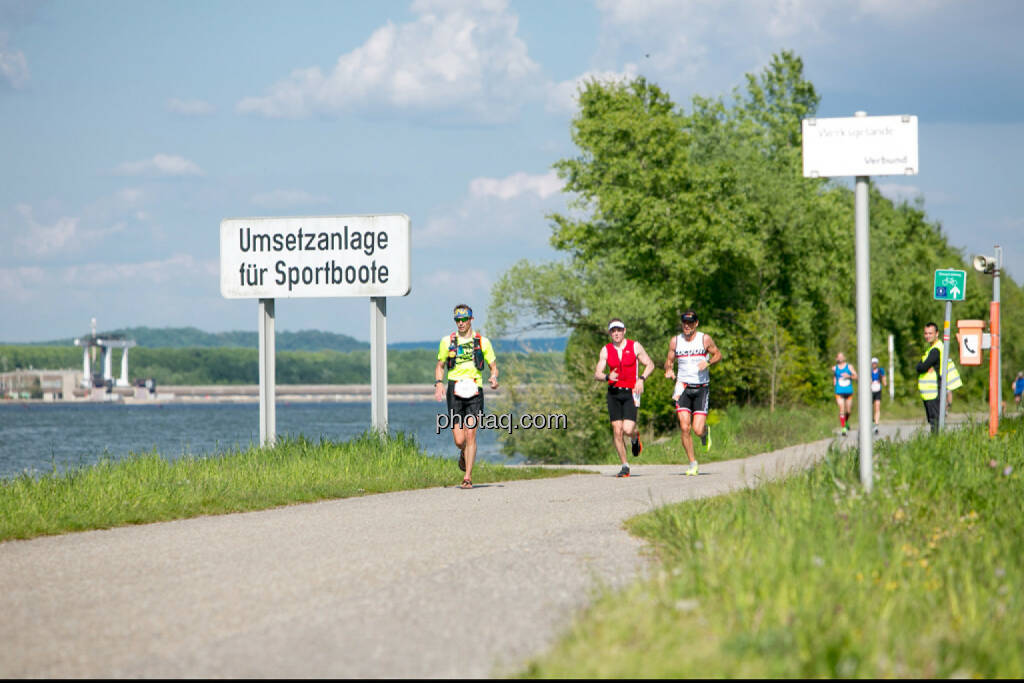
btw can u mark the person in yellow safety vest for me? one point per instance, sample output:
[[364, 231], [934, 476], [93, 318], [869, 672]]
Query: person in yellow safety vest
[[928, 377]]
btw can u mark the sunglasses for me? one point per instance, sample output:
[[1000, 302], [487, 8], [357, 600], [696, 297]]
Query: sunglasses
[[461, 320]]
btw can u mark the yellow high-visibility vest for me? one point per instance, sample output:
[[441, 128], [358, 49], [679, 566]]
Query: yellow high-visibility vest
[[928, 382]]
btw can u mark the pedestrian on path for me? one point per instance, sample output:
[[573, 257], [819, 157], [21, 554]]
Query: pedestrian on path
[[622, 357], [693, 353], [878, 380], [461, 358], [843, 376]]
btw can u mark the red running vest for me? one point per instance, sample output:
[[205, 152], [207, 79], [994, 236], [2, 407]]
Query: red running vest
[[625, 365]]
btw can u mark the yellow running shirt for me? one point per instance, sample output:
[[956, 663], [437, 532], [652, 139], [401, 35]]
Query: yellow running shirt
[[464, 367]]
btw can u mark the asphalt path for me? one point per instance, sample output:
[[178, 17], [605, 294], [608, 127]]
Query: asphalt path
[[433, 583]]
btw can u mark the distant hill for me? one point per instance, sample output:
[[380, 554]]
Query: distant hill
[[191, 337], [303, 340]]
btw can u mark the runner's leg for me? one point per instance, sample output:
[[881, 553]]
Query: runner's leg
[[685, 435], [617, 432]]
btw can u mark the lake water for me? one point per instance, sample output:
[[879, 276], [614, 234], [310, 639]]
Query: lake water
[[38, 437]]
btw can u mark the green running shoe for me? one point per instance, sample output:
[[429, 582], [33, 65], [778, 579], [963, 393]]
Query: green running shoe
[[705, 438], [692, 472]]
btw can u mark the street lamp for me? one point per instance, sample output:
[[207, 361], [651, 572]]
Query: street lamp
[[991, 265]]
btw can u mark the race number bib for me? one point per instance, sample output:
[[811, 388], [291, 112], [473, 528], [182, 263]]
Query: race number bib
[[844, 381], [876, 385]]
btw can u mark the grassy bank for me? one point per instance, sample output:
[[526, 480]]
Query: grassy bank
[[809, 577], [147, 488]]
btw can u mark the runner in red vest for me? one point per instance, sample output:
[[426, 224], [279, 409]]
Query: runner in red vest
[[625, 385]]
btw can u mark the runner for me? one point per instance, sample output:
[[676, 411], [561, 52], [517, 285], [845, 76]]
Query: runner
[[1018, 389], [625, 386], [461, 357], [878, 380], [843, 375], [694, 352]]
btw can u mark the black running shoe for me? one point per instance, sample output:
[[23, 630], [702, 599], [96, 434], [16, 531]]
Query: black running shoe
[[462, 461], [638, 447], [624, 472], [705, 438]]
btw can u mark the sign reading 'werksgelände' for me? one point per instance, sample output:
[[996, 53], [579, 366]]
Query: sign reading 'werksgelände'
[[315, 256], [860, 146]]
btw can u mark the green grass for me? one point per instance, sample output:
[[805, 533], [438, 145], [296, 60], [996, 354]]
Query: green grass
[[809, 577], [738, 432], [147, 488]]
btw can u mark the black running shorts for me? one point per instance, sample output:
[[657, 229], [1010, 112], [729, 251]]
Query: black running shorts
[[620, 404], [694, 399], [876, 395], [464, 407]]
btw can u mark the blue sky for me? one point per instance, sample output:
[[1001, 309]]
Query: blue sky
[[129, 130]]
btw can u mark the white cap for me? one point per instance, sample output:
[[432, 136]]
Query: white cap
[[874, 360], [616, 324]]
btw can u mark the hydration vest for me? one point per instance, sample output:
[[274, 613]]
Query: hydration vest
[[453, 351]]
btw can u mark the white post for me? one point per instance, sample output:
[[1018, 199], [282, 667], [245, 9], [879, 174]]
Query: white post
[[863, 266], [892, 372], [123, 382], [107, 374], [268, 418], [86, 368], [943, 364], [379, 363]]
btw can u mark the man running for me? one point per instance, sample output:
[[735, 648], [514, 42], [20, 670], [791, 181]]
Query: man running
[[1018, 389], [625, 385], [878, 380], [461, 357], [694, 352], [843, 376]]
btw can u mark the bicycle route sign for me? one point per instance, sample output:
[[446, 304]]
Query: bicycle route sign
[[950, 285]]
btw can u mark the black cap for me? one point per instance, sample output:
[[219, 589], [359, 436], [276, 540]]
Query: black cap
[[689, 316]]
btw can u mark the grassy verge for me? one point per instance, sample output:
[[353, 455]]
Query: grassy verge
[[738, 432], [809, 577], [147, 488]]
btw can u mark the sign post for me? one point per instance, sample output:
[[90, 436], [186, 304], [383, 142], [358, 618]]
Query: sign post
[[949, 286], [317, 256], [861, 146]]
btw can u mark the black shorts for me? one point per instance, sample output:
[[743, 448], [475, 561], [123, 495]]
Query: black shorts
[[463, 407], [876, 395], [694, 399], [620, 404]]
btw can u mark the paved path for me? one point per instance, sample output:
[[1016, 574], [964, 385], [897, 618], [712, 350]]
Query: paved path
[[428, 584]]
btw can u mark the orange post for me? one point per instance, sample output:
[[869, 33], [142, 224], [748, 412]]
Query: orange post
[[993, 371]]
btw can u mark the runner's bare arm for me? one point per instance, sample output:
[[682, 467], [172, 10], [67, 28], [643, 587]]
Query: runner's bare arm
[[439, 387], [853, 372], [669, 372], [602, 360], [494, 374], [641, 355], [712, 348]]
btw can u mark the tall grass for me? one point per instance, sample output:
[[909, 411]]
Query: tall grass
[[810, 577], [148, 488]]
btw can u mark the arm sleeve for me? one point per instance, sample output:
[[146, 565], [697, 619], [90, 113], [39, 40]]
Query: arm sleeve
[[932, 361]]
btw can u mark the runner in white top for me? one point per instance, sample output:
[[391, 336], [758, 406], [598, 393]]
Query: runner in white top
[[694, 352]]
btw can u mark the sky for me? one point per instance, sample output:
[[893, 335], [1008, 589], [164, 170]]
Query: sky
[[129, 130]]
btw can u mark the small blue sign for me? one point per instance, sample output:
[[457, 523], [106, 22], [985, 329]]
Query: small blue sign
[[940, 292]]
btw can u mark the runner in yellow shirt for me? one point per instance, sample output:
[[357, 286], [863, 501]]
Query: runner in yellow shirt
[[461, 356]]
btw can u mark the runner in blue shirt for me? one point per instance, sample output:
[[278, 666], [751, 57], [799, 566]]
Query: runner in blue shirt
[[843, 376], [1018, 388], [878, 380]]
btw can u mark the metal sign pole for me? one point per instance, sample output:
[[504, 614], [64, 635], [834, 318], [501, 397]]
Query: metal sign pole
[[944, 364], [268, 418], [863, 264], [379, 363]]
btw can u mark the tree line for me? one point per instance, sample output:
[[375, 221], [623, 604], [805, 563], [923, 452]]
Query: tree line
[[708, 208], [195, 366]]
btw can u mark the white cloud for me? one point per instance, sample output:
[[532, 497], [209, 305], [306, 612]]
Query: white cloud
[[468, 280], [460, 58], [562, 97], [285, 198], [161, 164], [45, 239], [13, 65], [516, 185], [190, 107]]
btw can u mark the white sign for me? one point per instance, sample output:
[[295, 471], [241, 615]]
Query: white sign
[[315, 256], [860, 146]]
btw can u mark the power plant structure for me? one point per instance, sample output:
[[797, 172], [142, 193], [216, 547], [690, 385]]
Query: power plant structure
[[106, 343]]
